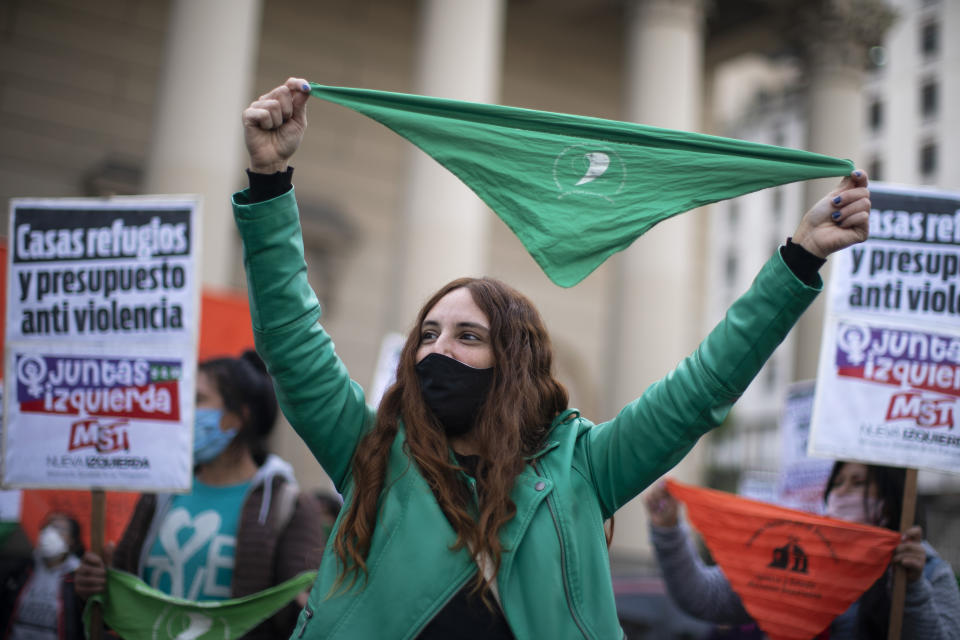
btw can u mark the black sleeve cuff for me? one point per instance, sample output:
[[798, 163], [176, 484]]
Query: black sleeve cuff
[[267, 186], [802, 263]]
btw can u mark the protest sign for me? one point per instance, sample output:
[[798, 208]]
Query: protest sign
[[107, 269], [889, 375], [113, 418], [802, 478], [101, 340], [758, 485], [386, 372]]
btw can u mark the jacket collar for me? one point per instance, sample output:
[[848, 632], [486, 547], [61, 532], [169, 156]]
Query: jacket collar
[[551, 442]]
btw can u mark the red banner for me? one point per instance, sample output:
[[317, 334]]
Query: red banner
[[795, 572]]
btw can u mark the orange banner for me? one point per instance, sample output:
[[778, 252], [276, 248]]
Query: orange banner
[[225, 326], [38, 503], [795, 572]]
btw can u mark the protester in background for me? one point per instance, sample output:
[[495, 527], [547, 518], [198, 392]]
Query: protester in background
[[244, 527], [330, 505], [475, 497], [38, 602], [866, 494]]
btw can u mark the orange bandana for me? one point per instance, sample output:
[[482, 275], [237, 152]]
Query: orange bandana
[[795, 572]]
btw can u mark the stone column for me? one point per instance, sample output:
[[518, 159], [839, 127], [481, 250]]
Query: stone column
[[833, 37], [446, 225], [654, 303], [197, 139]]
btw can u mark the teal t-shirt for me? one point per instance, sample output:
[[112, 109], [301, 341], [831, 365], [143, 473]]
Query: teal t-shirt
[[194, 551]]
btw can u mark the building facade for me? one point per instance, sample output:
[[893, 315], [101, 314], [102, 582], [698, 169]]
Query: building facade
[[909, 97]]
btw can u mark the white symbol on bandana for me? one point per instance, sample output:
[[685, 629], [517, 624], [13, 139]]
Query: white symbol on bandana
[[589, 171], [175, 624], [598, 166], [199, 625]]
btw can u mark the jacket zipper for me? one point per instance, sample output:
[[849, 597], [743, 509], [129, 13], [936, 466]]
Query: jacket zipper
[[563, 563], [473, 489], [308, 613]]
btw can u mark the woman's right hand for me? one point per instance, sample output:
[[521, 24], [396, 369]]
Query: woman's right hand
[[661, 506], [91, 576], [910, 554], [274, 124]]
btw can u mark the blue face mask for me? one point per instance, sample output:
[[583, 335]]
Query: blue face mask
[[208, 440]]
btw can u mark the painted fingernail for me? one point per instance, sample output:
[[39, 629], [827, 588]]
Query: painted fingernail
[[838, 200], [858, 173], [306, 87], [835, 215]]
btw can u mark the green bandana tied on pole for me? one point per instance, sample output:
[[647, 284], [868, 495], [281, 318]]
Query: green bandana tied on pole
[[134, 610], [574, 189]]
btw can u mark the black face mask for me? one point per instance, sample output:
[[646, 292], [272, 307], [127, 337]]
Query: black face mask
[[453, 391]]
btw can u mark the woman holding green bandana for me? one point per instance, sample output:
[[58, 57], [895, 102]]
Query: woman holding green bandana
[[475, 497], [243, 527]]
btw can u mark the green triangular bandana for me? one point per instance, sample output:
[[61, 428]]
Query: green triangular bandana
[[135, 610], [575, 189]]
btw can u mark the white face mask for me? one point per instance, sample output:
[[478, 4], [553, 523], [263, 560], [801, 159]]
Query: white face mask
[[853, 508], [51, 544]]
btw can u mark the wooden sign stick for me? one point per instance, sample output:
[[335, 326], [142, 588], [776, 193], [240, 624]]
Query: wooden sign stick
[[907, 516]]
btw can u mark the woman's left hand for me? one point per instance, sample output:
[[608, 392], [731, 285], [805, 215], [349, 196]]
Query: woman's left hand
[[910, 554], [662, 508], [841, 218]]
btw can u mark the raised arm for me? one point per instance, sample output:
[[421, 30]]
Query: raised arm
[[314, 390], [700, 591], [654, 432]]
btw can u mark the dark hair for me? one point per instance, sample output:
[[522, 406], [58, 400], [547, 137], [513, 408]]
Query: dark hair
[[873, 617], [889, 482], [528, 398], [246, 390]]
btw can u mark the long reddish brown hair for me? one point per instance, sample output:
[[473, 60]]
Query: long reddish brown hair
[[527, 398]]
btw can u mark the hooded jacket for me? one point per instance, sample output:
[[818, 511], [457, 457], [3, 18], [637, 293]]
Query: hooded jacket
[[554, 579], [278, 537]]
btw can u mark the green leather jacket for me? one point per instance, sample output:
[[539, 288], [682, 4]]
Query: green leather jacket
[[554, 580]]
